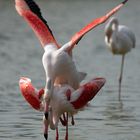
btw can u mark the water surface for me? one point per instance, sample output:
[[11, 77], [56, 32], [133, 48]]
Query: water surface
[[20, 55]]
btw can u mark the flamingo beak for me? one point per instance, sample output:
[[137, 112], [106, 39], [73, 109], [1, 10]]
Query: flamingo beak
[[45, 123], [46, 136]]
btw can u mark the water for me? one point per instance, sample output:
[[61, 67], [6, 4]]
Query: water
[[20, 55]]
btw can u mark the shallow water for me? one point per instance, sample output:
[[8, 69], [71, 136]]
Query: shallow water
[[20, 55]]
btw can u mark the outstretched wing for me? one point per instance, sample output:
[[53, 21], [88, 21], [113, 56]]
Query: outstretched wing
[[86, 92], [32, 14], [29, 93], [77, 37]]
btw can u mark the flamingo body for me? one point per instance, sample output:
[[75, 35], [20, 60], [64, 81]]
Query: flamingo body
[[57, 62], [120, 40], [60, 67]]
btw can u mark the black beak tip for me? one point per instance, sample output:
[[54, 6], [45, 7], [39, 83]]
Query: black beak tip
[[124, 1], [46, 115], [46, 136]]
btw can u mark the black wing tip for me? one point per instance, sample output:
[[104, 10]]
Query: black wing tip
[[124, 1], [36, 10]]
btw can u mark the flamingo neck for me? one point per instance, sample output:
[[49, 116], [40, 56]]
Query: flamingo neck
[[114, 25], [111, 28]]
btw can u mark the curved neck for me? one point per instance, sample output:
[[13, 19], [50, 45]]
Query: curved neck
[[114, 24], [111, 27]]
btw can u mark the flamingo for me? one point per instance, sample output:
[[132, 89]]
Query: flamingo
[[58, 64], [64, 99], [57, 61], [120, 40]]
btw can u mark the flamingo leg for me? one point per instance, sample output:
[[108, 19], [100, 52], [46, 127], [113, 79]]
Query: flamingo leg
[[66, 137], [121, 76], [63, 121], [64, 117], [57, 134]]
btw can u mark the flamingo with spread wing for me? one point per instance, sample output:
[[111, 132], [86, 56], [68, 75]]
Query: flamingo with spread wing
[[120, 40], [57, 61]]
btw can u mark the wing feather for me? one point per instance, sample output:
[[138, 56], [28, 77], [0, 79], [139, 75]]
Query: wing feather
[[32, 14]]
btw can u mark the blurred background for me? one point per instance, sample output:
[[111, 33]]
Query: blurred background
[[21, 54]]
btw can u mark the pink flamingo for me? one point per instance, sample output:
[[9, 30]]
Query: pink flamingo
[[58, 65], [57, 62], [64, 99], [120, 40]]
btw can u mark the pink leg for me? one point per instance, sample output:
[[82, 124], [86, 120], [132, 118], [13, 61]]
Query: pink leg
[[57, 134], [66, 137], [62, 122], [64, 117]]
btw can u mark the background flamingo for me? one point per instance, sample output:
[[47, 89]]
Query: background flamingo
[[120, 40]]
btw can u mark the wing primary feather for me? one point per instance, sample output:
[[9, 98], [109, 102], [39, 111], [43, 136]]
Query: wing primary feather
[[36, 10]]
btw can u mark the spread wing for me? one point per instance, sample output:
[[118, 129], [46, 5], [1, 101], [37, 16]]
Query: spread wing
[[77, 37], [86, 93], [30, 11]]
